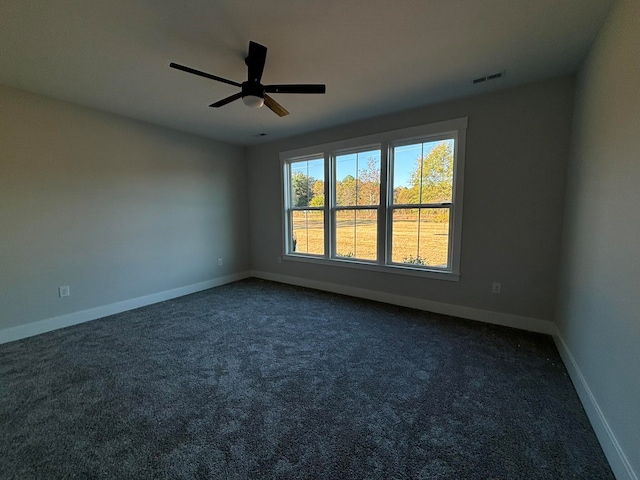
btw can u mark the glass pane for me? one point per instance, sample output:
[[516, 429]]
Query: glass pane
[[307, 183], [308, 232], [423, 172], [421, 236], [358, 178], [357, 234], [345, 233], [346, 173], [369, 178], [367, 234], [406, 187]]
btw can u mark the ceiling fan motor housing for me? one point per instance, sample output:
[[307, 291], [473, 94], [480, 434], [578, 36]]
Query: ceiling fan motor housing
[[252, 88]]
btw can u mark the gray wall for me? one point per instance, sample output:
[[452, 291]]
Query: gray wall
[[517, 150], [115, 208], [599, 299]]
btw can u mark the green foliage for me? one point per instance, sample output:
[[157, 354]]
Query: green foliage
[[364, 190], [417, 260], [346, 191], [368, 184], [317, 199], [402, 195], [345, 255], [301, 190], [432, 179]]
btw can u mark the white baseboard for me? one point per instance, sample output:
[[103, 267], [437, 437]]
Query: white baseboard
[[49, 324], [618, 460], [515, 321]]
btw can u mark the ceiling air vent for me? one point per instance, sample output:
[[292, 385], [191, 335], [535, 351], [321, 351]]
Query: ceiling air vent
[[486, 78]]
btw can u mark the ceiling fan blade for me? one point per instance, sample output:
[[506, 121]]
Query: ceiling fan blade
[[224, 101], [255, 61], [275, 107], [301, 88], [203, 74]]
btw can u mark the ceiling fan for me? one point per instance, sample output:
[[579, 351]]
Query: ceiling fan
[[253, 93]]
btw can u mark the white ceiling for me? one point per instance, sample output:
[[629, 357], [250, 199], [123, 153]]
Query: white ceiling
[[375, 56]]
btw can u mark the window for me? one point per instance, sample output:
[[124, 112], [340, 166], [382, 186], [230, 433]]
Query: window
[[306, 206], [422, 201], [356, 203], [390, 202]]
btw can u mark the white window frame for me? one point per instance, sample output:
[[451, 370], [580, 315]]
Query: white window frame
[[334, 209], [288, 212], [385, 141]]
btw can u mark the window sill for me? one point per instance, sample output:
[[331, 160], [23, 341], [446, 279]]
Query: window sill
[[395, 269]]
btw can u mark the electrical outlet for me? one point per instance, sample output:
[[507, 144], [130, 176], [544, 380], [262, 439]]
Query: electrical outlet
[[496, 287], [279, 259], [219, 262], [64, 291]]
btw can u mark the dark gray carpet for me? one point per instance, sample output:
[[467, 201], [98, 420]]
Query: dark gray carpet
[[260, 380]]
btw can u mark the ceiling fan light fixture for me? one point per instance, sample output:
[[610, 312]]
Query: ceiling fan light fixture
[[253, 101]]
